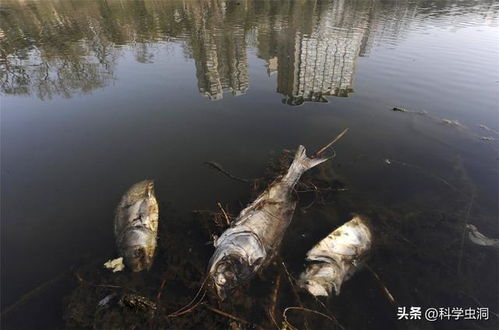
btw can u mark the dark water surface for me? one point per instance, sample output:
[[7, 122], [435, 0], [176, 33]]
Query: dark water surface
[[97, 95]]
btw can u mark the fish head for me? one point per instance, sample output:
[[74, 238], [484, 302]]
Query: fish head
[[138, 252], [228, 273], [138, 258], [321, 279]]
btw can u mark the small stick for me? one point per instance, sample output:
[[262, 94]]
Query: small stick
[[230, 316], [290, 278], [31, 294], [478, 302], [160, 289], [83, 281], [305, 310], [225, 214], [428, 173], [293, 288], [321, 150], [273, 300], [218, 167], [189, 307], [385, 289]]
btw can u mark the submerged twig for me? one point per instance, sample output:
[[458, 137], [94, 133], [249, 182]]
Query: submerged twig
[[424, 171], [383, 286], [218, 167], [82, 280], [293, 288], [192, 304], [478, 302], [160, 290], [230, 316], [321, 150], [224, 213], [285, 317], [273, 300], [32, 294]]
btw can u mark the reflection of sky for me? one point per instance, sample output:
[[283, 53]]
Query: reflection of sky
[[453, 74]]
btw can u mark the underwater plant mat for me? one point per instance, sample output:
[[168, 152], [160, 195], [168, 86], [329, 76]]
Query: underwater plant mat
[[421, 257]]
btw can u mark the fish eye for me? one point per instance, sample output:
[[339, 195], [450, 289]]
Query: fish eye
[[138, 253]]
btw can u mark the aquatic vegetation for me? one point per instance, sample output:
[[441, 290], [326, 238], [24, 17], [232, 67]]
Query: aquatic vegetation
[[145, 64], [414, 260]]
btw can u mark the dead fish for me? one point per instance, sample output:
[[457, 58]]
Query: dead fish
[[336, 258], [452, 123], [488, 129], [104, 302], [255, 235], [399, 109], [136, 226], [479, 238]]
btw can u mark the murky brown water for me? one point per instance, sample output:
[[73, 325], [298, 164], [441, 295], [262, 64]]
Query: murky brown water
[[97, 95]]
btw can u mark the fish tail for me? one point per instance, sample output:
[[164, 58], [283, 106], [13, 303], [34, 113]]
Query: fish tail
[[306, 163], [300, 165]]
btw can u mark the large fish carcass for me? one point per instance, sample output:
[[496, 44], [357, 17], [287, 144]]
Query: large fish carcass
[[136, 226], [254, 237], [335, 258]]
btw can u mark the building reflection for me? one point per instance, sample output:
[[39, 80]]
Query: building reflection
[[52, 48], [219, 49], [320, 62]]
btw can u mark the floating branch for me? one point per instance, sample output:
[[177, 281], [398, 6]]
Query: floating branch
[[216, 166]]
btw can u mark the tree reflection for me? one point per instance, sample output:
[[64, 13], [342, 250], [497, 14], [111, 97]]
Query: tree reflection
[[63, 48]]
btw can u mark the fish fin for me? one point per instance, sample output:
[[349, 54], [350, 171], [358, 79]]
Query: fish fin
[[150, 188], [302, 159]]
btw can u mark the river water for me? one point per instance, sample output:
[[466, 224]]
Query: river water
[[97, 95]]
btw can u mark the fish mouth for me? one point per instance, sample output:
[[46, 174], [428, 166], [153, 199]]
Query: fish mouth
[[138, 246], [221, 291], [227, 274], [137, 258]]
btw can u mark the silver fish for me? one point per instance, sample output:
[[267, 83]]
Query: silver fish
[[335, 258], [479, 238], [254, 237], [136, 226]]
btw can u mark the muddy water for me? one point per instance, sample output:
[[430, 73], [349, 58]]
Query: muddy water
[[97, 95]]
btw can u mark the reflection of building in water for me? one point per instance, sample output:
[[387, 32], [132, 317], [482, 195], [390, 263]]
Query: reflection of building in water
[[55, 47], [321, 63], [219, 52], [222, 66], [272, 66]]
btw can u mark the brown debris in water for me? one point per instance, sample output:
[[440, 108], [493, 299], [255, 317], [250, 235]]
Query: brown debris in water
[[415, 257]]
